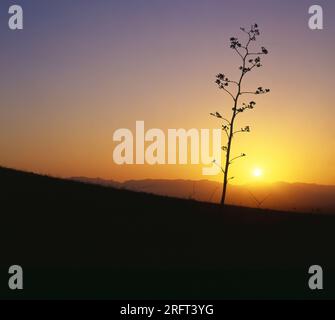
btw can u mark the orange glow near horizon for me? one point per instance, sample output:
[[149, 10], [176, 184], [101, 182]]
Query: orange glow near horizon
[[84, 147]]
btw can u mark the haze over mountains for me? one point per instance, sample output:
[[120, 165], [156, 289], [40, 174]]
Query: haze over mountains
[[299, 197]]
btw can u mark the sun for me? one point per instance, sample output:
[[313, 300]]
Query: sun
[[257, 172]]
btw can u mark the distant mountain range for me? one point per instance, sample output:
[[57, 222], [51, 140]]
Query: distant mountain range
[[300, 197]]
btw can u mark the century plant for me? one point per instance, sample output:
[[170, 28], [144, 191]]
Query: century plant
[[251, 59]]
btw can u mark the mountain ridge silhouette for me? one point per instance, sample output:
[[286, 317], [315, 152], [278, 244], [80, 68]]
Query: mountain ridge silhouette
[[304, 197]]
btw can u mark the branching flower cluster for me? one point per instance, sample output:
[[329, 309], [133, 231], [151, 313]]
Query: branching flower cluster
[[250, 59]]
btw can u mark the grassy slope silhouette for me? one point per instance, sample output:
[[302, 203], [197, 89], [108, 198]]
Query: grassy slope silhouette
[[80, 240]]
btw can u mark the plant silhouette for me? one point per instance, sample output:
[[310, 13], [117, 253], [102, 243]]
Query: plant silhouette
[[250, 61]]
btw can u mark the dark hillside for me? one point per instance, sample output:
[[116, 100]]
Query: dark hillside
[[105, 242]]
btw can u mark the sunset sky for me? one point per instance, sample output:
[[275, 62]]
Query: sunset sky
[[81, 69]]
